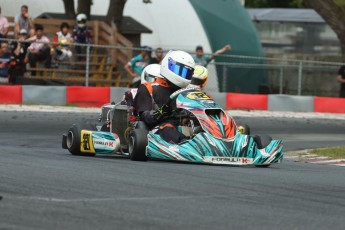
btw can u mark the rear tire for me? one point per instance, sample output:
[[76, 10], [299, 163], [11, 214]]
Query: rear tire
[[262, 141], [137, 145]]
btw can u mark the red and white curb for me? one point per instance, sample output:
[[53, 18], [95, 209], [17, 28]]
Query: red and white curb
[[314, 159]]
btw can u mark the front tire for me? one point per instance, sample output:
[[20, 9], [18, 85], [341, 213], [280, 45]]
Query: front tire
[[262, 141], [137, 145], [73, 140]]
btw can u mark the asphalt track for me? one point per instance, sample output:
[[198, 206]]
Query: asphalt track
[[44, 187]]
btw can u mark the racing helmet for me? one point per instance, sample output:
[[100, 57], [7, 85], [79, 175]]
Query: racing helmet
[[81, 20], [177, 68], [199, 78], [150, 73]]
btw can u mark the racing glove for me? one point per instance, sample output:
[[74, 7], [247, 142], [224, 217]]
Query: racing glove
[[163, 111]]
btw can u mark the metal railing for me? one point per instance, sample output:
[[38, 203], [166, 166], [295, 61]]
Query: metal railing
[[279, 75]]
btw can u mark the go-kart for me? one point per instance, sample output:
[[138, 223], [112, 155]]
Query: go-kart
[[212, 136]]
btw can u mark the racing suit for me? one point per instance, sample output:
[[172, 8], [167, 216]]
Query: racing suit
[[150, 97]]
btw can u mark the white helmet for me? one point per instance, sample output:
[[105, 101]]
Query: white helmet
[[81, 20], [178, 67], [150, 73], [199, 78]]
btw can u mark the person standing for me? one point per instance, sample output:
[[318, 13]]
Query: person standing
[[23, 21], [341, 80], [202, 59], [81, 35], [18, 57], [3, 26], [159, 57], [4, 61], [136, 65]]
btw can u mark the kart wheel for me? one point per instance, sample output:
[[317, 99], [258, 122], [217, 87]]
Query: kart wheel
[[262, 141], [73, 140], [263, 166], [64, 140], [137, 145], [244, 129]]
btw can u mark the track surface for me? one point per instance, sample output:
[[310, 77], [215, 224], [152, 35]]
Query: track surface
[[44, 187]]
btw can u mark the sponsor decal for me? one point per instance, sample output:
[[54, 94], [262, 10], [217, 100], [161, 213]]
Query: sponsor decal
[[104, 144], [86, 144], [198, 96], [228, 160]]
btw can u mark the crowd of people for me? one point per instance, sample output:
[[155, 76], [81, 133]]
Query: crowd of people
[[33, 46]]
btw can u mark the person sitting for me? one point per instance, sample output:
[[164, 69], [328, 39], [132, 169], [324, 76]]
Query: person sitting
[[18, 57], [151, 100], [81, 35], [4, 61], [199, 78], [39, 50], [64, 38], [3, 26]]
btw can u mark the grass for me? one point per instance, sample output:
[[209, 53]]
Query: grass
[[333, 152]]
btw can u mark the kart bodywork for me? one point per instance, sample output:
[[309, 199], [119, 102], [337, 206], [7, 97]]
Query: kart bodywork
[[212, 136]]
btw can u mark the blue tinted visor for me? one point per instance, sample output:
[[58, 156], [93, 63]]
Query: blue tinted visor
[[180, 69]]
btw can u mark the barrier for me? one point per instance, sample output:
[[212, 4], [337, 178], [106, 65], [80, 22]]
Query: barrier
[[329, 105], [279, 102], [10, 94], [46, 95], [87, 96], [246, 101]]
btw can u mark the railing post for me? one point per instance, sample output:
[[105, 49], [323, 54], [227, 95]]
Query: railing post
[[225, 73], [299, 86], [281, 76], [87, 74]]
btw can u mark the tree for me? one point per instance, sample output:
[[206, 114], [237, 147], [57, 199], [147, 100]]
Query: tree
[[275, 4], [332, 11], [115, 10]]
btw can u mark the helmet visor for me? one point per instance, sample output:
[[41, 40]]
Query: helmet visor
[[180, 69], [148, 77]]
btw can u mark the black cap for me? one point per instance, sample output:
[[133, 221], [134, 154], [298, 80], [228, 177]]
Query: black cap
[[199, 48]]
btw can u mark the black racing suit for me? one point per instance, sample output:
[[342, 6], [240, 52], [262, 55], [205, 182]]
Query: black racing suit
[[145, 103]]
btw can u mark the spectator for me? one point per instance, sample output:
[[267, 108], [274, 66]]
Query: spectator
[[81, 34], [201, 59], [18, 57], [39, 50], [23, 21], [4, 61], [159, 57], [3, 26], [341, 80], [136, 65], [64, 38]]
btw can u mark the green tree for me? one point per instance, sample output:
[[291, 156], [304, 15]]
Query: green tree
[[275, 4]]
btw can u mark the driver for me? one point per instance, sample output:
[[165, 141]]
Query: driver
[[151, 100], [149, 74]]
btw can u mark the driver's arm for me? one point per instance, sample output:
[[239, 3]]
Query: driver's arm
[[144, 106]]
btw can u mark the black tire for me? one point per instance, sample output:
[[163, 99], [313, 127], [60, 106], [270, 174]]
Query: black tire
[[137, 145], [73, 140], [64, 139], [245, 129], [262, 141]]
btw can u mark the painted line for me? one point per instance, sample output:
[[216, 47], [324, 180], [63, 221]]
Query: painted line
[[329, 161], [61, 200]]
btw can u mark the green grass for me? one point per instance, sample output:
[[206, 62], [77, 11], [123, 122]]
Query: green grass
[[333, 152]]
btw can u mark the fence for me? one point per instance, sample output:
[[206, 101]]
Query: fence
[[235, 73]]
